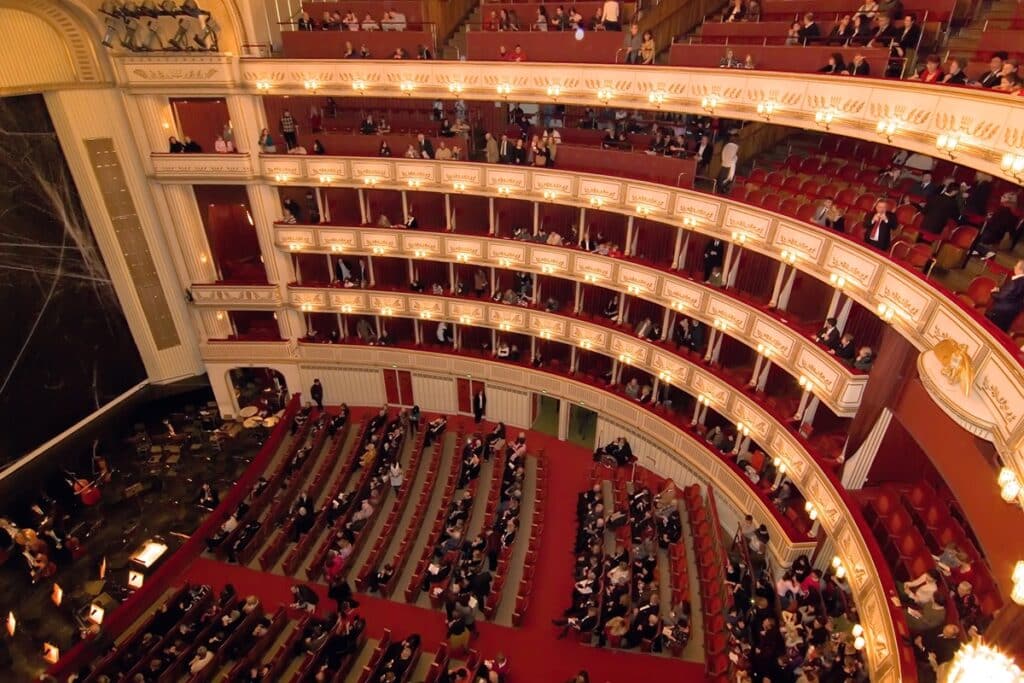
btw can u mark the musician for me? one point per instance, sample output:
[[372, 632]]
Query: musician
[[208, 497]]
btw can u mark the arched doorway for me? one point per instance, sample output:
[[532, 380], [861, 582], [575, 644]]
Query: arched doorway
[[262, 387]]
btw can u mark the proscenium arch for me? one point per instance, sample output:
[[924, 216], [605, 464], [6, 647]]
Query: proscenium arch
[[873, 606]]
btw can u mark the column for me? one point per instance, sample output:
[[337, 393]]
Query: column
[[563, 419], [833, 305], [857, 465], [577, 298], [190, 246], [763, 379], [263, 201], [405, 206], [491, 228], [627, 248], [734, 269], [363, 212], [777, 289], [449, 220], [811, 410], [680, 263], [712, 338], [758, 362], [248, 118], [787, 291], [152, 118], [536, 218], [844, 314]]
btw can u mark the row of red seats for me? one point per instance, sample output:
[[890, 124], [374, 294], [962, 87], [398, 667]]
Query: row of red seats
[[501, 572], [191, 616], [710, 557], [412, 591], [230, 645], [255, 652], [529, 566], [320, 488], [397, 510], [277, 504], [439, 666], [279, 514], [378, 654]]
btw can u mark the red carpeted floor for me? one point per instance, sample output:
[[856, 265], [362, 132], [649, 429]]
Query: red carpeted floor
[[533, 651]]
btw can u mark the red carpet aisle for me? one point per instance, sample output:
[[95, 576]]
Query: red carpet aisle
[[533, 651]]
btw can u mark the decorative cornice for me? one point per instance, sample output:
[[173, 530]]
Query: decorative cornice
[[988, 124], [868, 593], [237, 296]]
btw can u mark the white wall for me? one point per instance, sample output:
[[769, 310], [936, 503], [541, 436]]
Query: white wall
[[511, 406], [435, 394], [355, 386]]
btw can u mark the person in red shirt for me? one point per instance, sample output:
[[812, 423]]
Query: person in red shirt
[[518, 55]]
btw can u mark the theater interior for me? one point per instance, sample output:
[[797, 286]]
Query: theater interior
[[498, 341]]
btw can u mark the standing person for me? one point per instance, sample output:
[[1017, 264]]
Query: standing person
[[316, 392], [289, 130], [879, 225], [479, 406], [714, 253], [730, 157], [396, 476], [491, 149], [414, 419]]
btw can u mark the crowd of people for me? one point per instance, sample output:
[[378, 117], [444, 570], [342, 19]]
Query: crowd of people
[[841, 345], [390, 20], [607, 17]]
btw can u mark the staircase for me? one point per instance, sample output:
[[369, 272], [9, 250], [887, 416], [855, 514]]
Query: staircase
[[996, 15], [455, 47]]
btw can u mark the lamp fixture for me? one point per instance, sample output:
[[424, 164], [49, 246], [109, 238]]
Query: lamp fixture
[[554, 91], [337, 248], [455, 88], [839, 281], [665, 376], [504, 326], [550, 195], [414, 182], [547, 268], [947, 143], [704, 400], [370, 180], [838, 568], [346, 308], [679, 305], [306, 307], [596, 201], [545, 334], [324, 178], [709, 103], [262, 86], [378, 250], [978, 661], [136, 579], [643, 210], [812, 512], [420, 253], [887, 128], [312, 85], [504, 89], [766, 109], [459, 186], [789, 255], [505, 262], [765, 350], [743, 429], [824, 117], [1009, 485], [721, 323], [605, 94], [462, 257], [739, 236], [804, 381], [294, 246], [407, 87], [633, 289], [359, 86], [586, 344], [626, 358], [780, 466], [887, 311], [504, 190], [657, 97], [590, 277], [96, 613], [426, 315], [1012, 164], [281, 177], [387, 311], [858, 637], [1017, 593], [465, 320], [689, 221]]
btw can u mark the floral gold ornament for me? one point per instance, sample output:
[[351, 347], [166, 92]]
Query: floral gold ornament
[[956, 363]]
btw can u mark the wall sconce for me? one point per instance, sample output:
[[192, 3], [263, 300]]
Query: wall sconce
[[426, 315], [709, 103], [887, 311], [739, 236], [465, 320], [504, 89], [550, 195], [586, 344], [359, 86], [51, 653], [324, 179], [280, 177], [665, 376], [839, 281], [378, 250], [811, 511], [766, 109], [626, 358], [504, 190], [704, 400], [455, 88], [657, 97], [978, 661], [765, 350], [547, 268], [370, 180], [605, 94], [346, 308], [633, 289], [742, 429], [262, 86], [202, 258], [887, 128], [1009, 485], [838, 568], [780, 468], [679, 305], [294, 246], [947, 143], [1017, 593], [721, 323], [337, 248], [414, 183], [858, 637], [505, 262], [824, 117], [805, 383], [57, 594], [597, 201], [459, 186], [407, 87], [312, 85], [306, 307], [689, 221], [554, 91], [12, 624], [96, 614], [387, 311], [462, 257], [545, 334], [1013, 164], [504, 326], [136, 579], [220, 315], [420, 253], [590, 277], [789, 255], [643, 210]]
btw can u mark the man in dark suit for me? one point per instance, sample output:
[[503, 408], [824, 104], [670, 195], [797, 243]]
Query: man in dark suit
[[714, 253], [1008, 299], [939, 209], [878, 226], [424, 146], [994, 76], [907, 38], [479, 406], [828, 335], [703, 154], [859, 66], [1003, 220], [505, 150], [809, 30], [410, 221], [927, 188], [316, 392]]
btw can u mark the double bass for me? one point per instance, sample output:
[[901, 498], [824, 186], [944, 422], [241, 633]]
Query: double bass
[[88, 492]]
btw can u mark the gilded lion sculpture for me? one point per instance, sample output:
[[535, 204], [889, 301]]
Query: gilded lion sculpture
[[956, 363]]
